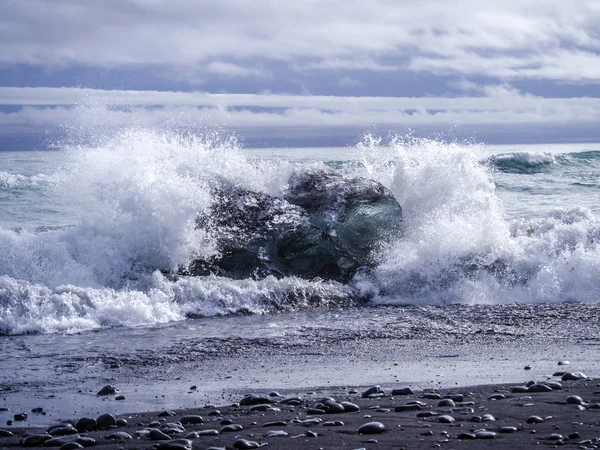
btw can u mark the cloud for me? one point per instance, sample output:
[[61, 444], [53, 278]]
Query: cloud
[[498, 105], [512, 39]]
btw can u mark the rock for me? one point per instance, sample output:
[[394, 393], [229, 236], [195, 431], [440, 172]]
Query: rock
[[518, 389], [35, 440], [106, 421], [167, 414], [108, 390], [446, 419], [508, 430], [121, 422], [555, 385], [485, 434], [71, 446], [467, 436], [350, 407], [497, 397], [172, 428], [371, 428], [402, 391], [574, 400], [431, 396], [315, 411], [333, 423], [191, 420], [120, 397], [534, 419], [274, 394], [232, 428], [446, 402], [86, 424], [37, 410], [333, 407], [118, 436], [5, 433], [488, 418], [62, 440], [405, 408], [208, 432], [277, 423], [245, 444], [573, 376], [372, 390], [62, 429], [563, 363], [455, 397], [252, 399], [214, 412], [539, 387], [276, 433], [175, 444], [428, 414], [157, 435], [20, 417], [326, 226]]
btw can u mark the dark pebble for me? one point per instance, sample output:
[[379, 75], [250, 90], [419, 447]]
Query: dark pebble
[[20, 417], [465, 436], [371, 391], [120, 397], [446, 419], [71, 446], [277, 423], [191, 420], [62, 429], [121, 422], [371, 428], [315, 411], [166, 413], [508, 430], [35, 439], [446, 402], [427, 414], [485, 434], [175, 444], [214, 412], [534, 419], [244, 444], [108, 390], [251, 399], [105, 421], [118, 436], [574, 400], [312, 434], [455, 397], [539, 387], [37, 410], [573, 376], [350, 407], [232, 428], [402, 391], [208, 433], [404, 408], [5, 433], [497, 397], [86, 424], [431, 396], [518, 389], [157, 435]]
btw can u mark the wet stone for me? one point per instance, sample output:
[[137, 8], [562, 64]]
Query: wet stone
[[245, 444], [175, 444], [215, 412], [372, 390], [497, 397], [446, 402], [118, 436], [333, 407], [488, 418], [431, 396], [555, 385], [166, 413], [518, 389], [121, 422], [467, 436], [277, 423], [35, 439], [402, 391], [405, 408], [277, 433], [231, 428], [350, 407], [251, 399], [427, 414], [534, 419], [191, 420], [71, 446], [539, 387], [574, 400], [333, 423], [508, 430], [5, 433], [455, 397], [371, 428], [157, 435], [573, 376], [62, 440], [61, 430], [108, 390], [485, 434], [312, 434], [446, 419], [555, 437], [20, 417], [208, 432], [106, 421], [86, 424]]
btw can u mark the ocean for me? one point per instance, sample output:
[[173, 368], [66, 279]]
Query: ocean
[[496, 242]]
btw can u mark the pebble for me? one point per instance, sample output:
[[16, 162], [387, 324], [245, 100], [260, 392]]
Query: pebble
[[464, 436], [333, 407], [277, 423], [333, 423], [35, 439], [309, 433], [573, 376], [214, 412], [231, 428], [86, 424], [208, 432], [371, 428], [555, 437], [404, 408], [372, 392], [534, 419], [108, 390], [402, 391], [106, 421], [508, 430], [62, 429], [455, 397], [121, 422], [251, 399], [574, 400], [175, 444], [448, 402], [276, 433], [118, 436], [20, 417], [350, 407], [446, 419], [431, 396], [71, 446], [488, 418], [485, 434], [244, 444], [5, 433], [191, 420], [157, 435], [563, 363], [497, 397], [427, 414], [62, 440], [166, 413], [120, 397], [539, 387], [518, 389]]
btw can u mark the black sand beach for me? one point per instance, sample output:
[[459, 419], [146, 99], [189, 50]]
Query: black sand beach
[[548, 413]]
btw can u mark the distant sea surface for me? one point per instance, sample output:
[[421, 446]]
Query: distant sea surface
[[89, 234]]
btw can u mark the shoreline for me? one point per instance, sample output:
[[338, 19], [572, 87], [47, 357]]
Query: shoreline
[[298, 423]]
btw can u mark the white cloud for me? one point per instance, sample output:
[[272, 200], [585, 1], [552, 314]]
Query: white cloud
[[499, 105], [551, 39]]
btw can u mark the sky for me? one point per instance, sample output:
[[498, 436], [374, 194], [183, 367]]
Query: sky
[[307, 72]]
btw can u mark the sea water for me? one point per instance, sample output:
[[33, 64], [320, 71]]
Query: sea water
[[89, 234]]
